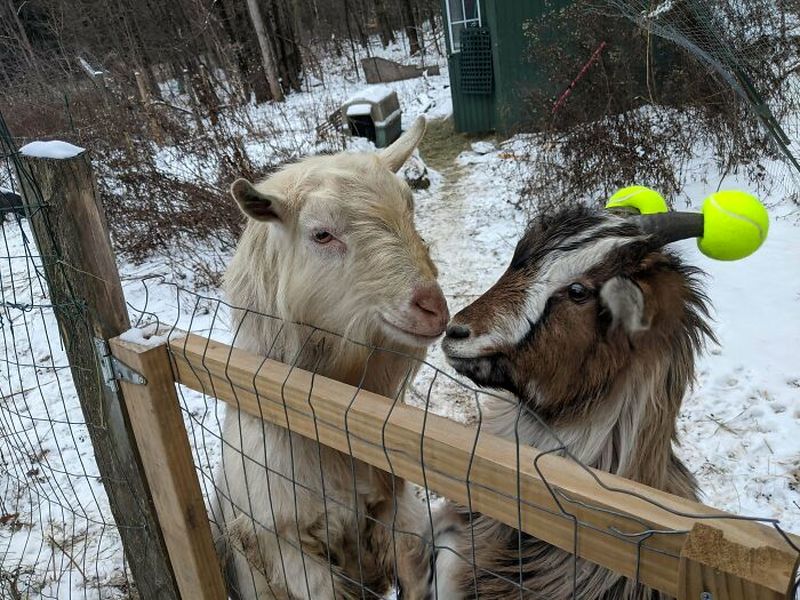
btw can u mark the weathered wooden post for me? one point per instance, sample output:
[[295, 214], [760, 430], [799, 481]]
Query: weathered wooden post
[[69, 226]]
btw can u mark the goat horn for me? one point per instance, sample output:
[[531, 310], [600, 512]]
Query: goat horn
[[671, 226]]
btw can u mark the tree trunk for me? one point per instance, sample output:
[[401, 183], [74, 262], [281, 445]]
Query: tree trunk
[[384, 24], [204, 89], [285, 49], [297, 13], [434, 34], [267, 58], [231, 25], [22, 35], [350, 34], [190, 81], [140, 50], [362, 35], [411, 26]]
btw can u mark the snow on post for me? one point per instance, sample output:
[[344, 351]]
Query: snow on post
[[54, 149]]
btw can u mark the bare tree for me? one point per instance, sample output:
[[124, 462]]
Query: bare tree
[[267, 57], [384, 24], [411, 26], [22, 36]]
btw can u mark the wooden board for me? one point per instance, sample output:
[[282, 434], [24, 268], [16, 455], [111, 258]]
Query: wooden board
[[374, 428], [713, 568], [167, 459]]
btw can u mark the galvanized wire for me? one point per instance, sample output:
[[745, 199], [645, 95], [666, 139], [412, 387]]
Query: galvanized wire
[[739, 41], [41, 492]]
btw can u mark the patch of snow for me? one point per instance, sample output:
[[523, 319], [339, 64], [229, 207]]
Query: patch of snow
[[359, 109], [91, 71], [739, 427], [52, 149], [483, 147], [394, 115], [662, 8], [150, 336], [374, 93]]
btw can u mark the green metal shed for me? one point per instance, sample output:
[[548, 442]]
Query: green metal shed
[[490, 70]]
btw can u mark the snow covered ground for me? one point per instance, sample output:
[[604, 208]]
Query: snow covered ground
[[739, 428]]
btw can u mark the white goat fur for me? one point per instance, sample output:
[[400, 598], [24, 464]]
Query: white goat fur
[[277, 272]]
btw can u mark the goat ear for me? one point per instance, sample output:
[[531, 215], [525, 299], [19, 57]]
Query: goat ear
[[257, 205], [395, 155], [625, 301]]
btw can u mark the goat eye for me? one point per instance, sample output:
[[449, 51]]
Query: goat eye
[[322, 237], [578, 292]]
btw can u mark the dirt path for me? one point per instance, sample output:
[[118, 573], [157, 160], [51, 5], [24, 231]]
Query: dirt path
[[472, 231]]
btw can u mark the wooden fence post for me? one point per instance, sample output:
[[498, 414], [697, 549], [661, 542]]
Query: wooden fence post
[[69, 226], [167, 458]]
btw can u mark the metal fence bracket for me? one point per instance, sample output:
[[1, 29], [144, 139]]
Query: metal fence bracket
[[113, 368]]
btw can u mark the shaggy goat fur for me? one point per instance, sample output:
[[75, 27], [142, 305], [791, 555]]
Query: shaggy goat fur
[[595, 331], [271, 483]]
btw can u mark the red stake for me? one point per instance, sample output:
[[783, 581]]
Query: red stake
[[594, 58]]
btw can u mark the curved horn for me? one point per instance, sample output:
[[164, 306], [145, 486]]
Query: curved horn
[[397, 154], [671, 226]]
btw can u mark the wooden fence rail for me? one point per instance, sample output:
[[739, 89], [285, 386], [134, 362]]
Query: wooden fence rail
[[704, 554]]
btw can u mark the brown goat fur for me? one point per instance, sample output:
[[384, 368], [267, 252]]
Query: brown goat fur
[[595, 331]]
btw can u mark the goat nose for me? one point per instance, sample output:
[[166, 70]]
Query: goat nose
[[431, 304], [458, 331]]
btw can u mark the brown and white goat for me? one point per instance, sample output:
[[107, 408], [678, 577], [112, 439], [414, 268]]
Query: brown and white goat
[[595, 328], [330, 246]]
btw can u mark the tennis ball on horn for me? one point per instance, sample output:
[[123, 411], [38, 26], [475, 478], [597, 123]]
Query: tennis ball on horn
[[735, 225], [647, 201]]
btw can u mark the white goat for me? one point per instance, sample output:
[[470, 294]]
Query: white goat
[[330, 243]]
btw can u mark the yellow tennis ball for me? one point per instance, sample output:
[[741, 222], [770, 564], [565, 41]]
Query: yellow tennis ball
[[647, 201], [735, 225]]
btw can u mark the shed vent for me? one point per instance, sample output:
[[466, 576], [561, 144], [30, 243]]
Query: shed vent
[[476, 61]]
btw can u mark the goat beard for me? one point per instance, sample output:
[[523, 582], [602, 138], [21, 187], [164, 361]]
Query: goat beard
[[493, 372], [374, 357]]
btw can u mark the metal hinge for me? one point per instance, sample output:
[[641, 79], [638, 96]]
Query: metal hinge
[[114, 369]]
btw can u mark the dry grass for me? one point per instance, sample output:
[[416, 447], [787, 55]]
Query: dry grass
[[442, 143]]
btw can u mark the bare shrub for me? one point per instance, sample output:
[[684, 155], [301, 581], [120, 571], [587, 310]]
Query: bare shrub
[[151, 207], [643, 112]]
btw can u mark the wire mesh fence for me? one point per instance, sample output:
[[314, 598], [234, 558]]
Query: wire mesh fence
[[286, 518], [289, 513], [752, 47], [667, 94], [57, 536]]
